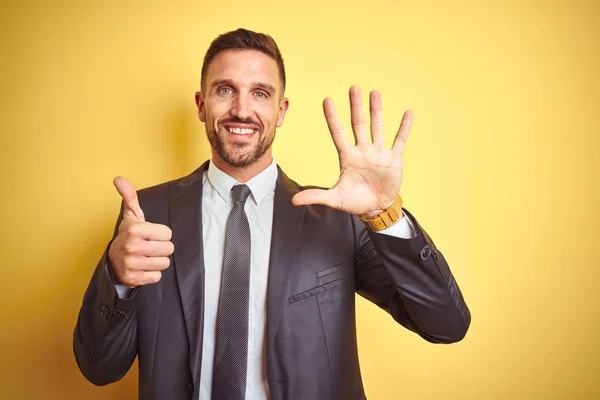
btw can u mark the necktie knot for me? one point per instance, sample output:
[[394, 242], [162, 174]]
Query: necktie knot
[[240, 193]]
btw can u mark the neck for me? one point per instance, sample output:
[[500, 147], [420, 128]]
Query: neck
[[243, 175]]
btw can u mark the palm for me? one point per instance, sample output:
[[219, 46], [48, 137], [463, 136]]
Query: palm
[[370, 174]]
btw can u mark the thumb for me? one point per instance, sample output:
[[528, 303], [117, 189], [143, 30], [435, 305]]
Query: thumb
[[131, 206], [316, 196]]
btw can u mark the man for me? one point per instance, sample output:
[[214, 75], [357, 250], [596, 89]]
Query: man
[[237, 283]]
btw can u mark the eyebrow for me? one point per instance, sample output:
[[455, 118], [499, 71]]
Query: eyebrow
[[261, 85]]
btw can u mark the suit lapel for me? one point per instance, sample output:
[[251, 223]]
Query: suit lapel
[[186, 223], [285, 240]]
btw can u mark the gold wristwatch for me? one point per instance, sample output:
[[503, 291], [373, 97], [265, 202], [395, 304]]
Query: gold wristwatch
[[387, 218]]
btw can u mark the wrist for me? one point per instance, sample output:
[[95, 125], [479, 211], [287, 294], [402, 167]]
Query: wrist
[[374, 213], [378, 220], [111, 272], [370, 215]]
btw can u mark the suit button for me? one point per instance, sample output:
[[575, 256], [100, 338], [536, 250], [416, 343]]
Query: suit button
[[425, 252], [191, 386], [104, 309]]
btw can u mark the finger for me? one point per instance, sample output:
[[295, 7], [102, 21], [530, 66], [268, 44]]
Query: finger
[[154, 263], [316, 196], [131, 206], [142, 278], [357, 116], [137, 264], [147, 231], [335, 127], [403, 132], [150, 277], [376, 113], [154, 248]]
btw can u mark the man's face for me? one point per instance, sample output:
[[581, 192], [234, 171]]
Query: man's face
[[241, 106]]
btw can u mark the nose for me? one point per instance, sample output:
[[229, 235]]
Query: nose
[[242, 106]]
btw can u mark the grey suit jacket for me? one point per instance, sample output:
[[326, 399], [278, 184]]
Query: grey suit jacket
[[319, 258]]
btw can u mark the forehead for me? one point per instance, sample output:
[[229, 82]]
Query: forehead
[[243, 66]]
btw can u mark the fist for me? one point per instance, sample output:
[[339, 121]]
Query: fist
[[141, 250]]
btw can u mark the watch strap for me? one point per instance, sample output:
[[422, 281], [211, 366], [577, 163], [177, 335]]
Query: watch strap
[[385, 219]]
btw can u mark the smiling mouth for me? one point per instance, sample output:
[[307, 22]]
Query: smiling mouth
[[240, 131]]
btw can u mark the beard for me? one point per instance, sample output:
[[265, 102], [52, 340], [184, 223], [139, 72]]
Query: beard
[[236, 155]]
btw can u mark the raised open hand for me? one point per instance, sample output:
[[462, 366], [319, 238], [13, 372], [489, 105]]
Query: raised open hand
[[370, 174]]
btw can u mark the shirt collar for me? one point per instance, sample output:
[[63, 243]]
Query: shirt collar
[[260, 185]]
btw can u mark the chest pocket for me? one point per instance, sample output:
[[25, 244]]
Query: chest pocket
[[328, 278]]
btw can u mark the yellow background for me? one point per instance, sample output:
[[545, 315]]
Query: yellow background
[[501, 168]]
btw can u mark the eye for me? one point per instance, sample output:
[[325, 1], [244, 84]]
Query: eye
[[261, 95], [225, 90]]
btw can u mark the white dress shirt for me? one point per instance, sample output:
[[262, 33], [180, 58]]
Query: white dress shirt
[[216, 206]]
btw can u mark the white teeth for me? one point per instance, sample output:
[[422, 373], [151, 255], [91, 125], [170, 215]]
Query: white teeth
[[240, 131]]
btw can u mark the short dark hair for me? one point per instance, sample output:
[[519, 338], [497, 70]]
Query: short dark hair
[[243, 39]]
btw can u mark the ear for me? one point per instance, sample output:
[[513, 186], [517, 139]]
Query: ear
[[283, 106], [200, 105]]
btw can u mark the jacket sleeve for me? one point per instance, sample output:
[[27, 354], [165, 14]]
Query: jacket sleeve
[[411, 280], [105, 336]]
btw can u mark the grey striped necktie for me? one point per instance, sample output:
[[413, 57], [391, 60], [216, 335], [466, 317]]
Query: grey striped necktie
[[231, 347]]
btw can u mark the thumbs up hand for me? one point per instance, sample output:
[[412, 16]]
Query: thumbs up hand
[[141, 249]]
